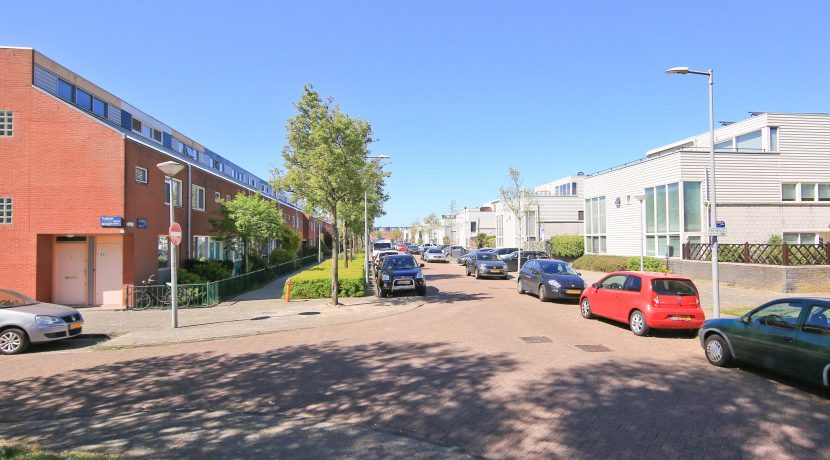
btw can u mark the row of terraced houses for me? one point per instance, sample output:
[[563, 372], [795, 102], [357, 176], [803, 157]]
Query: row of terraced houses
[[84, 211]]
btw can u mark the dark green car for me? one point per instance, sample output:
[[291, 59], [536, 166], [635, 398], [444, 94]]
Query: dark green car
[[791, 336]]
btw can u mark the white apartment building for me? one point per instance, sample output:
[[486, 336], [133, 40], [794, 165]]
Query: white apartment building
[[469, 222], [555, 208], [772, 174], [446, 230]]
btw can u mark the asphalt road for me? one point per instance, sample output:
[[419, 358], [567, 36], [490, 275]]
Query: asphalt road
[[450, 379]]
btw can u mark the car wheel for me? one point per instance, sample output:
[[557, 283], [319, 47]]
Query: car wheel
[[521, 288], [717, 351], [543, 293], [637, 323], [585, 309], [13, 341], [422, 291], [467, 269]]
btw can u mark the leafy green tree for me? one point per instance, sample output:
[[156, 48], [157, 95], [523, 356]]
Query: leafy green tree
[[324, 161], [484, 240], [430, 225], [248, 220]]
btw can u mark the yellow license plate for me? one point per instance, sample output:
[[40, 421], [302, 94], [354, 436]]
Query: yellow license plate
[[74, 326], [404, 282], [682, 318], [495, 271], [573, 291]]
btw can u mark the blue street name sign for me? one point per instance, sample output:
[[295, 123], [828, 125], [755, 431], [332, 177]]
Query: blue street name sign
[[112, 221]]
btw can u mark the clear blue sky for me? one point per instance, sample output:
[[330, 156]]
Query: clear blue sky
[[455, 91]]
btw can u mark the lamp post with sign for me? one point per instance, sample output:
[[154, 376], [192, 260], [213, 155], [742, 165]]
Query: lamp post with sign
[[170, 169]]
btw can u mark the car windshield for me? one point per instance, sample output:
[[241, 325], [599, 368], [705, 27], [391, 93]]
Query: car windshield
[[487, 256], [9, 299], [400, 262], [556, 268], [382, 246], [673, 287]]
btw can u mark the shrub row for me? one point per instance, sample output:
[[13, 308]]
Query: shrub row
[[315, 283], [567, 247], [601, 263]]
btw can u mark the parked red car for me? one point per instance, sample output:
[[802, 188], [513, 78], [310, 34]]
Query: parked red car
[[401, 247], [644, 301]]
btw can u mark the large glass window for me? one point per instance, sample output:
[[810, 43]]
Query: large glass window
[[197, 195], [99, 107], [788, 192], [660, 193], [163, 251], [773, 139], [601, 203], [649, 210], [65, 90], [692, 215], [595, 226], [5, 210], [749, 141], [6, 122], [674, 207], [83, 99], [177, 192], [824, 192], [140, 175], [808, 192], [201, 247]]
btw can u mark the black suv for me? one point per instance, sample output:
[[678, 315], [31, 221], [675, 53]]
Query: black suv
[[400, 273]]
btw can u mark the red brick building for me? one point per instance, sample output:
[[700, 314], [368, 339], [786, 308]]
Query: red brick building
[[83, 207]]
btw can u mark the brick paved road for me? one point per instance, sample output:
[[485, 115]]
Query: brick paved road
[[451, 374]]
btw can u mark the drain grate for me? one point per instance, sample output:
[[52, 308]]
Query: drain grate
[[536, 339], [594, 348]]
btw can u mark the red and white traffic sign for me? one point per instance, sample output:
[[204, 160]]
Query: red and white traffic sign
[[175, 233]]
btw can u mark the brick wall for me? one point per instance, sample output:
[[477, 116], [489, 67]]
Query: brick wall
[[811, 278]]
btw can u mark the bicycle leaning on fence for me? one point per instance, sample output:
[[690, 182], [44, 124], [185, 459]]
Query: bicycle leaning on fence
[[149, 295]]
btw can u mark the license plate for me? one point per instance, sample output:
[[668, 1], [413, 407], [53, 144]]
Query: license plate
[[573, 291], [404, 283], [74, 326], [682, 318], [495, 271]]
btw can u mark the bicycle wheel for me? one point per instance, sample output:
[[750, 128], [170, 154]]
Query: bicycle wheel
[[184, 297], [141, 300]]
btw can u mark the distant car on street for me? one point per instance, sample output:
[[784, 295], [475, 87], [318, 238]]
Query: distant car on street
[[790, 336], [378, 260], [550, 279], [434, 255], [413, 249], [486, 264], [644, 300], [381, 245], [512, 259], [504, 252], [24, 321]]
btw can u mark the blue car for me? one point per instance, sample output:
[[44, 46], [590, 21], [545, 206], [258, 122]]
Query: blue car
[[400, 273], [550, 279]]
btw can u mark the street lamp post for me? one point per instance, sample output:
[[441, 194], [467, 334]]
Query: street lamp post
[[712, 194], [641, 198], [366, 222], [170, 169]]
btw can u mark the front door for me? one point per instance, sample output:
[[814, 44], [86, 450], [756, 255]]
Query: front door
[[70, 271], [606, 301], [108, 267], [768, 340]]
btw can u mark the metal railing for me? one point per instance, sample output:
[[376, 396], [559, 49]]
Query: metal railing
[[766, 254], [211, 293]]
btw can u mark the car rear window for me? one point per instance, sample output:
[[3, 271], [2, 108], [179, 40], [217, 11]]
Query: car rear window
[[673, 287], [382, 246]]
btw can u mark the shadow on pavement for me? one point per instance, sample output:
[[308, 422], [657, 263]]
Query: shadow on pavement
[[432, 391], [76, 343]]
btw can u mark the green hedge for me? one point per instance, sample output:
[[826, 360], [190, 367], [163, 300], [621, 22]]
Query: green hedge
[[600, 263], [650, 264], [567, 247], [315, 283]]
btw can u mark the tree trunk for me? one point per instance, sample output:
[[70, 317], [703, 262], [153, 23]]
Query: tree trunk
[[335, 281], [346, 245]]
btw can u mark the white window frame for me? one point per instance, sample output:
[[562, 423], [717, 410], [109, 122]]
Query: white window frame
[[6, 123], [140, 126], [6, 210], [217, 197], [196, 192], [799, 187], [146, 175], [178, 199]]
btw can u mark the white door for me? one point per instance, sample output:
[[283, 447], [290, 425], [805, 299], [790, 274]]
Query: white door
[[108, 266], [70, 273]]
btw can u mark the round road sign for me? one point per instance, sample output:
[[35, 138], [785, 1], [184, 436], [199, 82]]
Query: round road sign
[[175, 233]]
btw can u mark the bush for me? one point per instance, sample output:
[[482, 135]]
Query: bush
[[256, 262], [601, 263], [210, 270], [315, 283], [185, 276], [279, 256], [650, 264], [568, 247]]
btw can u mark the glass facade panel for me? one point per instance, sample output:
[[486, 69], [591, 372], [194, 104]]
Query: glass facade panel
[[99, 107], [773, 139], [674, 246], [589, 247], [788, 192], [65, 90], [649, 210], [725, 145], [660, 204], [809, 238], [649, 245], [824, 192], [674, 207], [587, 216], [791, 238], [692, 215], [749, 141], [662, 245], [595, 215], [83, 99], [602, 215], [808, 192]]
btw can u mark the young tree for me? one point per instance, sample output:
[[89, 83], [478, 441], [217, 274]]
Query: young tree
[[484, 240], [249, 220], [324, 161], [431, 224], [397, 234], [416, 231], [517, 199]]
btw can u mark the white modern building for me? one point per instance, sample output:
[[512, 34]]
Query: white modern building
[[446, 231], [554, 208], [772, 175], [469, 222]]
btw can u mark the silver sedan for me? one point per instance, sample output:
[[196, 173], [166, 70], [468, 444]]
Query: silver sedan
[[434, 255], [24, 321]]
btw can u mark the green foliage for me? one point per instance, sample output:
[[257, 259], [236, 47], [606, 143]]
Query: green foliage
[[210, 270], [257, 262], [650, 264], [484, 240], [775, 239], [279, 256], [568, 247], [291, 241], [602, 263], [184, 276], [328, 241], [33, 452], [315, 282]]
